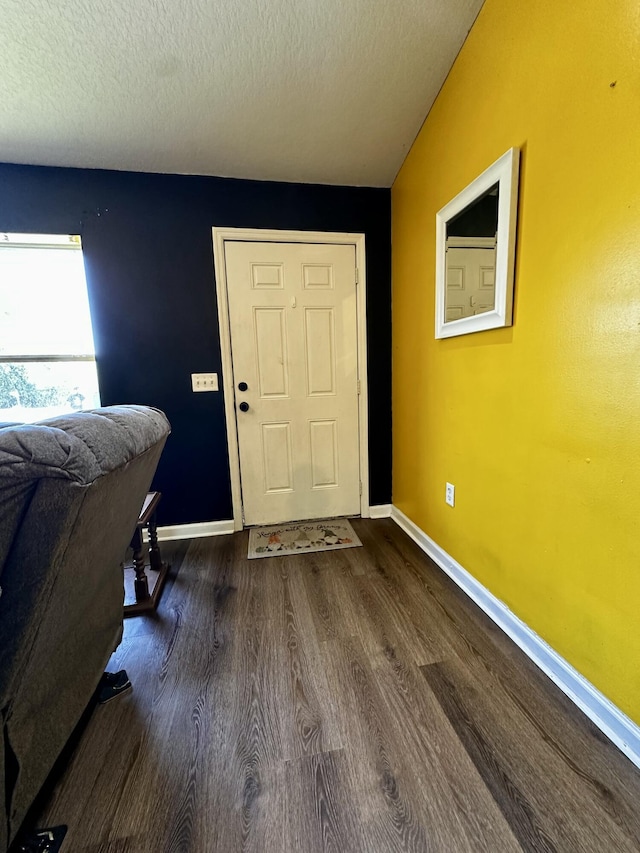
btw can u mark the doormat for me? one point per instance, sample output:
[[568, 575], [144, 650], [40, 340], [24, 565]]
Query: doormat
[[281, 539]]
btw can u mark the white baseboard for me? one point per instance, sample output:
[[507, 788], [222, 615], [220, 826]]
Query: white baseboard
[[613, 722], [193, 531], [380, 511], [219, 528]]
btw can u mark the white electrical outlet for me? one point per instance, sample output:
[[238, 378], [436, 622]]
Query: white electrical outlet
[[204, 381], [450, 494]]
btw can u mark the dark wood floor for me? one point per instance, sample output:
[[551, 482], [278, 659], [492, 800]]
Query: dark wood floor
[[349, 701]]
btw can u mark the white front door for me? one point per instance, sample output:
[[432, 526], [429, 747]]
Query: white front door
[[471, 276], [293, 324]]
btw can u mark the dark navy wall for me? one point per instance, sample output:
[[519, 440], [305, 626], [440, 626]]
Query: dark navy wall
[[149, 258]]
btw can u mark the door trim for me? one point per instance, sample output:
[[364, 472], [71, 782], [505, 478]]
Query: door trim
[[223, 235]]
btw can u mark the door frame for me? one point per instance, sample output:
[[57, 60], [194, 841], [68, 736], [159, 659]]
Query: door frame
[[222, 235]]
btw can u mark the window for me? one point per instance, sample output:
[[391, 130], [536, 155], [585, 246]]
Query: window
[[47, 356]]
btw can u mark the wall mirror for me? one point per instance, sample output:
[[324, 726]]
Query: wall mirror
[[475, 252]]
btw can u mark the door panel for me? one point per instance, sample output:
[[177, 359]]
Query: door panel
[[292, 312], [267, 276], [270, 347], [324, 454], [276, 452], [317, 276], [319, 349]]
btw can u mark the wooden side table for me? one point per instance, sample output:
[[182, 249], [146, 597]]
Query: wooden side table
[[147, 589]]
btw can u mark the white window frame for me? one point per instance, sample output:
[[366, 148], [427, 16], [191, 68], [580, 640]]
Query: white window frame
[[73, 244]]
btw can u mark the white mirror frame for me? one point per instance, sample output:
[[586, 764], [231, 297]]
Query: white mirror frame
[[503, 172]]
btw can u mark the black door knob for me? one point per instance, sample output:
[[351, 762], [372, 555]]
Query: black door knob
[[242, 386], [244, 407]]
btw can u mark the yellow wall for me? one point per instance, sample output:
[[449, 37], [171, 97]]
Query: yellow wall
[[538, 425]]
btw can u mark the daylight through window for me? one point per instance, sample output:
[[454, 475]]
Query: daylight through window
[[47, 355]]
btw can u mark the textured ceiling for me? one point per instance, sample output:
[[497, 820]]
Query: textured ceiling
[[326, 91]]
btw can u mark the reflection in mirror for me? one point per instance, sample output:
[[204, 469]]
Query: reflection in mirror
[[475, 252], [471, 258]]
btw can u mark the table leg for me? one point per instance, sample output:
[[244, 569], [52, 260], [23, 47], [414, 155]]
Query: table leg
[[141, 583], [155, 560]]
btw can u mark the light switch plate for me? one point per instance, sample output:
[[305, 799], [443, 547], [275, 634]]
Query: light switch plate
[[204, 381]]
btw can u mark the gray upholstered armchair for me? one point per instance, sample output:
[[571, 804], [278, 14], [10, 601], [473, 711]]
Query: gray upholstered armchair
[[71, 489]]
